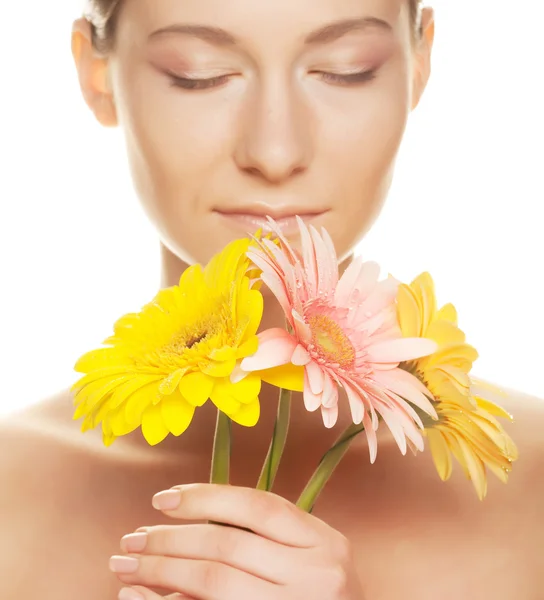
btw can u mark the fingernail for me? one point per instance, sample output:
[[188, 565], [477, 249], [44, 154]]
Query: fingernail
[[129, 594], [134, 542], [123, 564], [167, 500]]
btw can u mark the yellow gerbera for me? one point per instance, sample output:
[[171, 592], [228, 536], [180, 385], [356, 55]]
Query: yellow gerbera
[[446, 372], [466, 425], [180, 350]]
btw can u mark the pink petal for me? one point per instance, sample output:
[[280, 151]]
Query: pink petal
[[300, 356], [407, 390], [327, 266], [347, 282], [330, 416], [308, 254], [331, 251], [311, 401], [401, 349], [371, 437], [315, 377], [403, 375], [276, 346], [356, 404], [302, 329], [392, 421], [330, 392]]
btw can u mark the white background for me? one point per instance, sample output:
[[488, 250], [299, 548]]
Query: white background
[[76, 251]]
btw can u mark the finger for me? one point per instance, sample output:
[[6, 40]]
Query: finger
[[142, 593], [200, 579], [267, 514], [234, 547]]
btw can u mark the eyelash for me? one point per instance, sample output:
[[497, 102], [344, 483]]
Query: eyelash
[[193, 84]]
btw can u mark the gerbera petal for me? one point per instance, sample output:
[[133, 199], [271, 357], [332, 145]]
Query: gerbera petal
[[408, 312], [407, 389], [330, 416], [196, 388], [311, 401], [288, 377], [371, 438], [316, 377], [177, 413], [154, 428], [330, 392], [402, 349], [440, 453], [224, 402], [356, 404], [301, 356], [248, 415], [276, 347], [169, 385]]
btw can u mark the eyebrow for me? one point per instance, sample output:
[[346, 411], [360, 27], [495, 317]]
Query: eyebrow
[[323, 35]]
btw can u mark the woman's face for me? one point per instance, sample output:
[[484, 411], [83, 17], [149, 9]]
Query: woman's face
[[240, 109]]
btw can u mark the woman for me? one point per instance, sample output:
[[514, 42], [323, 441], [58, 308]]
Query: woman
[[232, 111]]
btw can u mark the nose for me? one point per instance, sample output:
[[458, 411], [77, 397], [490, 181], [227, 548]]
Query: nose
[[275, 143]]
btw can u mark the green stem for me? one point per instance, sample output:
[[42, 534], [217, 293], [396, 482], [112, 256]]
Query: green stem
[[220, 471], [277, 445], [326, 467]]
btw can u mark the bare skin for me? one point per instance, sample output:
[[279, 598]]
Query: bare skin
[[70, 501], [284, 130]]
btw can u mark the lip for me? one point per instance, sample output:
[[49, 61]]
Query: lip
[[249, 220]]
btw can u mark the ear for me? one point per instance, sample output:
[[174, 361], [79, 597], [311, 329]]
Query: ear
[[422, 56], [92, 71]]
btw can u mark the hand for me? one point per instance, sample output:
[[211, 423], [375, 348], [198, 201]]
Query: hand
[[287, 554]]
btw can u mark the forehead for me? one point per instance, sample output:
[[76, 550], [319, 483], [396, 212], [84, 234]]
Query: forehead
[[257, 20]]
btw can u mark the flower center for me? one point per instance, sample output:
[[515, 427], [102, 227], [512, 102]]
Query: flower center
[[333, 344]]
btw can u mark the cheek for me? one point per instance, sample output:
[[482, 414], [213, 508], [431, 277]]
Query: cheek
[[173, 139]]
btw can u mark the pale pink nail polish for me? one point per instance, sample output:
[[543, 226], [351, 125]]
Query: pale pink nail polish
[[134, 542], [124, 564], [129, 594], [167, 500]]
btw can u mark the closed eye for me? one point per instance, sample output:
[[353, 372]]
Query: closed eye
[[193, 83], [347, 78]]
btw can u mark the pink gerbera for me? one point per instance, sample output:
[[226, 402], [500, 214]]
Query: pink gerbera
[[343, 333]]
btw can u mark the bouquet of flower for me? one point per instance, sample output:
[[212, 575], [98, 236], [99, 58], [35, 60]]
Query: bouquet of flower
[[400, 361]]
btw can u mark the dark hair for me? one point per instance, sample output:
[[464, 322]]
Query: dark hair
[[102, 15]]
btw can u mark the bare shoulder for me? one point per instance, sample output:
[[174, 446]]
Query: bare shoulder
[[47, 472], [519, 504]]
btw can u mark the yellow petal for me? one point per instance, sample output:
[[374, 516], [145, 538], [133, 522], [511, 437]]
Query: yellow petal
[[250, 311], [423, 287], [249, 347], [218, 369], [99, 359], [475, 467], [492, 408], [445, 333], [448, 313], [153, 427], [118, 423], [124, 391], [244, 391], [440, 453], [408, 312], [228, 404], [139, 401], [226, 353], [288, 377], [196, 388], [177, 413], [248, 415], [170, 384]]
